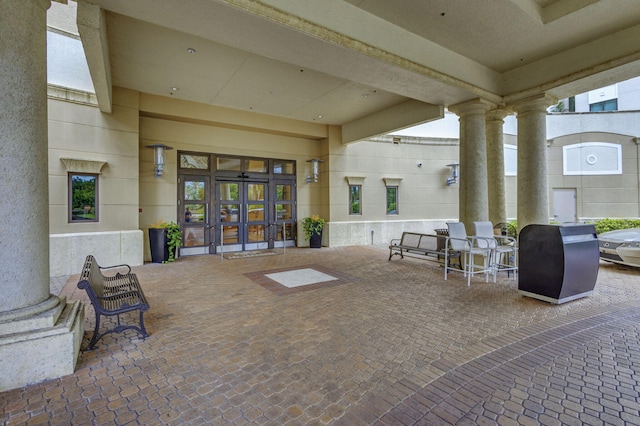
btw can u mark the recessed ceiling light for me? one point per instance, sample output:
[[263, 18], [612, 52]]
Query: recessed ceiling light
[[191, 50], [174, 89], [365, 95]]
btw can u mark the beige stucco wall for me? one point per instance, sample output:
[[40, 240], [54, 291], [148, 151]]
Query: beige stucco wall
[[425, 202], [598, 196], [78, 130], [424, 197], [195, 127]]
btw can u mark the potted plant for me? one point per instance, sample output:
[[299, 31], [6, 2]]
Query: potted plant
[[165, 238], [313, 230]]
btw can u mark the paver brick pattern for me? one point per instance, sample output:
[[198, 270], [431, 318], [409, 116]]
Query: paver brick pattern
[[398, 345]]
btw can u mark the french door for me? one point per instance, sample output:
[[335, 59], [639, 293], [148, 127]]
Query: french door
[[230, 203], [194, 206], [243, 215]]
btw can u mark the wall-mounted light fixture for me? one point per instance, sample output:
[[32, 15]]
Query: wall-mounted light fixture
[[454, 173], [159, 156], [314, 173]]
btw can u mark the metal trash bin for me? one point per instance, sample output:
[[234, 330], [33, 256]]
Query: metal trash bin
[[558, 263], [441, 241]]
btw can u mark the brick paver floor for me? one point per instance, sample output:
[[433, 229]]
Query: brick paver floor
[[386, 343]]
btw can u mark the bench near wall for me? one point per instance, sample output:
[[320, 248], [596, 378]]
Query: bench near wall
[[67, 252]]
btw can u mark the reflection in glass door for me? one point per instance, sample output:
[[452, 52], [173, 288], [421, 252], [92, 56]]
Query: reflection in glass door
[[193, 209], [284, 214], [242, 216]]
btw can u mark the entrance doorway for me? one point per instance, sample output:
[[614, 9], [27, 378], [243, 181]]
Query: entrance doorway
[[235, 203], [243, 217]]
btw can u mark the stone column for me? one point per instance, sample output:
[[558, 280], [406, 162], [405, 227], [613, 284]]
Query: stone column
[[495, 165], [39, 333], [533, 194], [473, 196]]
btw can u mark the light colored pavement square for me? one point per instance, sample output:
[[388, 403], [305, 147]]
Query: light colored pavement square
[[300, 277]]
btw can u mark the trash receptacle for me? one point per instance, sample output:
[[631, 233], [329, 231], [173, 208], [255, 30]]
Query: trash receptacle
[[557, 263], [442, 235]]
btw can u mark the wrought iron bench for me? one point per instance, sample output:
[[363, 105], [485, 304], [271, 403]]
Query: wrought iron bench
[[112, 295], [422, 246]]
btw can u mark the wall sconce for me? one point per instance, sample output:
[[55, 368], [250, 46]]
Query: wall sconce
[[158, 156], [314, 165], [454, 173]]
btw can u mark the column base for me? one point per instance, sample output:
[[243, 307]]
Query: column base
[[41, 347]]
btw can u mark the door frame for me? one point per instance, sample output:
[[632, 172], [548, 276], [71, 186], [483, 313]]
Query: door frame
[[245, 170]]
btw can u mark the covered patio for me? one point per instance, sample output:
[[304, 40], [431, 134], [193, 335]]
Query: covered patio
[[368, 341]]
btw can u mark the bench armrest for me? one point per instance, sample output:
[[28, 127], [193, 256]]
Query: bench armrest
[[102, 268], [394, 242]]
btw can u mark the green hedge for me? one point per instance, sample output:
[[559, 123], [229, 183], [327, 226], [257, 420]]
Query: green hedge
[[604, 225]]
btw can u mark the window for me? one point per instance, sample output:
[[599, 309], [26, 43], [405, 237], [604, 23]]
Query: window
[[194, 161], [604, 99], [355, 194], [283, 167], [392, 200], [83, 197], [392, 184], [610, 105]]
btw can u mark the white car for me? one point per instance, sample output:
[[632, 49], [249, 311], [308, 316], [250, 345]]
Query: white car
[[621, 246]]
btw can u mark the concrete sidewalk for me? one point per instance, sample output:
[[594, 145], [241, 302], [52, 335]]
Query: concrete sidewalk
[[370, 342]]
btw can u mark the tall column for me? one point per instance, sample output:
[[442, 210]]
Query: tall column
[[495, 165], [39, 333], [533, 195], [473, 195]]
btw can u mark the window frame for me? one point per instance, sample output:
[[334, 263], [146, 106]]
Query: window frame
[[605, 105], [395, 211], [96, 201], [351, 201]]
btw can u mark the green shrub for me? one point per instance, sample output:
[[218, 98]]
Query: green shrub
[[605, 225]]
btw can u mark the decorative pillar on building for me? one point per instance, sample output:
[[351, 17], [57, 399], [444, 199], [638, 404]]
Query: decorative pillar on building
[[533, 194], [473, 196], [40, 334], [495, 165]]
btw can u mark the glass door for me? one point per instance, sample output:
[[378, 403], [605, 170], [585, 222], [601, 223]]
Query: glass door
[[284, 214], [256, 223], [193, 214], [242, 215]]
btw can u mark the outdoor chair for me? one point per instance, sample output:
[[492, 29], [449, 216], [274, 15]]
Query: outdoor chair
[[504, 249], [470, 248]]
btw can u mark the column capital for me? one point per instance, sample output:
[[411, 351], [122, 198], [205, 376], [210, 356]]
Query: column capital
[[537, 103], [498, 114], [474, 106]]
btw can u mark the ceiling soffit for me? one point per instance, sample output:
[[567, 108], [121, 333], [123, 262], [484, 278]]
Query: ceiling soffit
[[437, 52]]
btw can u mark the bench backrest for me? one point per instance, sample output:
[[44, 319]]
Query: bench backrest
[[422, 241], [91, 273]]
